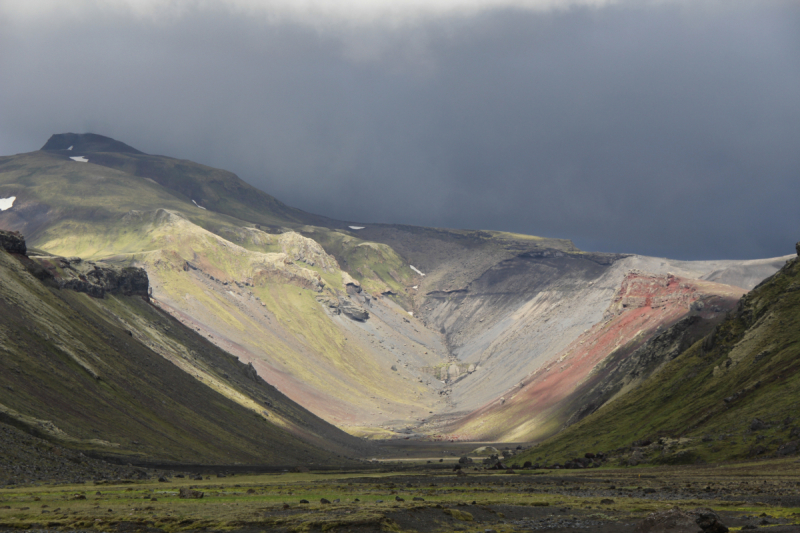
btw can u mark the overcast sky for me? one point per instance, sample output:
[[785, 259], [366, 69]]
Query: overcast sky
[[668, 128]]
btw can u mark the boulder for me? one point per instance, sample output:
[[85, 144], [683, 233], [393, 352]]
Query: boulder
[[187, 493], [251, 372], [757, 425], [352, 310], [797, 248], [790, 448], [677, 521], [13, 242]]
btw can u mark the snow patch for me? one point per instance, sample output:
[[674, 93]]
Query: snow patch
[[79, 159], [198, 205], [415, 269], [356, 227], [415, 287], [6, 203], [411, 313], [70, 148]]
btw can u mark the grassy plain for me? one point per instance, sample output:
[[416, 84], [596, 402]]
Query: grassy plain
[[417, 498]]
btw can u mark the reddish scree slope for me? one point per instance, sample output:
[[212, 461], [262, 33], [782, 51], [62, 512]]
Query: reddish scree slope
[[540, 404]]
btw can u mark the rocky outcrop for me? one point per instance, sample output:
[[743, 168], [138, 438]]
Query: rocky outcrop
[[306, 250], [352, 310], [13, 242], [96, 280], [797, 248]]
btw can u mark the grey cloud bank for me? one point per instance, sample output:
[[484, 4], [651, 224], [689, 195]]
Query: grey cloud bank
[[669, 129]]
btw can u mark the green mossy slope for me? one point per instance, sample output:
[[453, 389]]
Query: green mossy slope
[[94, 374]]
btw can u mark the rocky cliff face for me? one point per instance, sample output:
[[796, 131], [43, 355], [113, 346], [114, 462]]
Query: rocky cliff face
[[78, 275], [96, 279], [13, 242]]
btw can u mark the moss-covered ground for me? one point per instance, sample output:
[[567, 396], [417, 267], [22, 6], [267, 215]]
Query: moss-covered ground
[[414, 500]]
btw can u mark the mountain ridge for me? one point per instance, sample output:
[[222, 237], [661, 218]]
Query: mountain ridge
[[385, 330]]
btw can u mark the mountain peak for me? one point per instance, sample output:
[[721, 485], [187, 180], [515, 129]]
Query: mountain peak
[[87, 142]]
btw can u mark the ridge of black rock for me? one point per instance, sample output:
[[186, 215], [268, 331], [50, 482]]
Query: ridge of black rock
[[86, 143], [13, 242]]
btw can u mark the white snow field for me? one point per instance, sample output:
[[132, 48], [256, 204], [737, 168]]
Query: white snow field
[[6, 203], [415, 269]]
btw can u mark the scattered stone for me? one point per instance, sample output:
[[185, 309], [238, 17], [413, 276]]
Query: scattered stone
[[187, 493], [163, 479], [757, 425], [303, 501], [324, 500], [677, 521]]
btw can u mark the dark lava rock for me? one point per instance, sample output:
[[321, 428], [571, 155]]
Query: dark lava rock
[[677, 521], [163, 479], [418, 499], [13, 242], [709, 521], [303, 501], [187, 493], [324, 500], [757, 425], [96, 280], [757, 450], [790, 448]]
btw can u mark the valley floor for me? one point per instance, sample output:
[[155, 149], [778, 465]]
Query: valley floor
[[408, 497]]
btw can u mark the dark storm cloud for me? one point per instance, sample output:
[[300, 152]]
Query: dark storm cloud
[[665, 129]]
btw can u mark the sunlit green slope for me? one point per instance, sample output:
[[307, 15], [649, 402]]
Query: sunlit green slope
[[117, 376]]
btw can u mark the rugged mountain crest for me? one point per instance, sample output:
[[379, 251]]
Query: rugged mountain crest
[[83, 143], [384, 330]]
